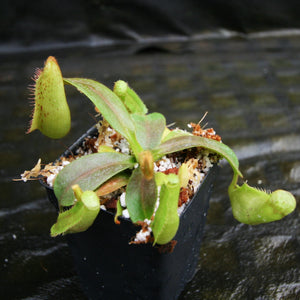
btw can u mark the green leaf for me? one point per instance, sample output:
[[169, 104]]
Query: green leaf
[[51, 111], [105, 148], [129, 97], [166, 219], [139, 106], [141, 196], [253, 206], [78, 218], [149, 129], [160, 178], [89, 172], [182, 142], [171, 134], [110, 106]]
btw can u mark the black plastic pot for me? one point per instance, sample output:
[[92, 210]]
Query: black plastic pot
[[111, 268]]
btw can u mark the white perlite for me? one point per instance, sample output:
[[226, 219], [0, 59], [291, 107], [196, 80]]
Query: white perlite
[[165, 164], [54, 172], [122, 200], [107, 139], [207, 163], [123, 146], [181, 208], [144, 233], [125, 213]]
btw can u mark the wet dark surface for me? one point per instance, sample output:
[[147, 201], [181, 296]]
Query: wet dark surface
[[251, 89]]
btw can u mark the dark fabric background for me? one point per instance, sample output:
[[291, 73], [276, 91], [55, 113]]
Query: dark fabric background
[[28, 22]]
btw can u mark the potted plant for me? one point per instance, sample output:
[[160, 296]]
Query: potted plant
[[132, 180]]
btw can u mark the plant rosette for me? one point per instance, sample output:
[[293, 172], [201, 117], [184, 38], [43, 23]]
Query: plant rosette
[[195, 163], [136, 166], [136, 155]]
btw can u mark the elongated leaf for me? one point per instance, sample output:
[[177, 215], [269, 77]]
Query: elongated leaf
[[179, 143], [89, 172], [166, 219], [129, 97], [149, 129], [141, 196], [139, 106], [108, 103], [80, 217], [171, 134], [113, 183]]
